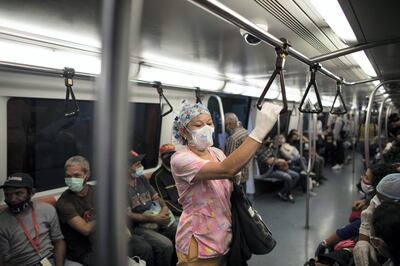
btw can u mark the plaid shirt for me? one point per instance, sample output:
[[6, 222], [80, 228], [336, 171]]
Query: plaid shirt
[[233, 142]]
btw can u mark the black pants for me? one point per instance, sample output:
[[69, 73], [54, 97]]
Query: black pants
[[338, 157]]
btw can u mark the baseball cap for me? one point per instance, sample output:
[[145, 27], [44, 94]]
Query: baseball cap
[[135, 157], [18, 180]]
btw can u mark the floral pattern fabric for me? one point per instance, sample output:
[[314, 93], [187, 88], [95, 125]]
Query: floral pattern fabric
[[206, 205]]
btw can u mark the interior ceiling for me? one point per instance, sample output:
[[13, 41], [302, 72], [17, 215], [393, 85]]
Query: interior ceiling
[[174, 31]]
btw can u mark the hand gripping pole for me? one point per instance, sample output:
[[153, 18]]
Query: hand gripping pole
[[68, 74], [309, 109], [160, 91], [281, 53], [334, 110]]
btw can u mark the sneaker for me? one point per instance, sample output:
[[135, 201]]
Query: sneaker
[[290, 198], [337, 167], [315, 183], [282, 196]]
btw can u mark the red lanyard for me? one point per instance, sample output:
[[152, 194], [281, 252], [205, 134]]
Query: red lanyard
[[34, 242]]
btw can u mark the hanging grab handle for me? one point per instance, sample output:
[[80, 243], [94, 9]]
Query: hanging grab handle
[[317, 109], [68, 74], [281, 53], [160, 91], [338, 111], [198, 95]]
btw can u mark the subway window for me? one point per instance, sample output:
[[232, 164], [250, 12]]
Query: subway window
[[40, 138]]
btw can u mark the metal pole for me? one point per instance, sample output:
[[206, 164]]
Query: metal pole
[[388, 111], [380, 123], [368, 118], [309, 166], [351, 49], [111, 130], [220, 10]]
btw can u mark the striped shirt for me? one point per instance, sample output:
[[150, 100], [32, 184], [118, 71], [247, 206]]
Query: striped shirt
[[233, 142]]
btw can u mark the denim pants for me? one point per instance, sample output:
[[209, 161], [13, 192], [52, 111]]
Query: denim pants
[[289, 178]]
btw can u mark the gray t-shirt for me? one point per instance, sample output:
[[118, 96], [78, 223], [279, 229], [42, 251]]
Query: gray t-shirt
[[140, 196], [15, 247]]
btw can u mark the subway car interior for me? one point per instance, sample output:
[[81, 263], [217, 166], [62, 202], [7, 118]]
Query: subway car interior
[[108, 80]]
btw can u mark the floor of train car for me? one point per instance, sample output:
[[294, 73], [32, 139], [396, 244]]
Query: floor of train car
[[329, 210]]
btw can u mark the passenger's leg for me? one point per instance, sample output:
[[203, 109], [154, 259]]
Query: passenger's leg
[[295, 177], [138, 246], [162, 246]]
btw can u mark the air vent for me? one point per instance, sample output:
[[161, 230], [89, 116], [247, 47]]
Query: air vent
[[283, 15]]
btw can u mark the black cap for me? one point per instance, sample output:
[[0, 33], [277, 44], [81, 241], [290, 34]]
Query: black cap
[[18, 180], [135, 157]]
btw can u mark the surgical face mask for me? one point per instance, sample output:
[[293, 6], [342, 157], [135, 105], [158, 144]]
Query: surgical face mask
[[202, 138], [75, 184], [367, 189], [138, 172], [376, 201], [19, 207]]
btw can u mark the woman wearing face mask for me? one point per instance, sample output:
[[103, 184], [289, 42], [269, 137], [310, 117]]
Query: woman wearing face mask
[[368, 184], [369, 181], [203, 176], [386, 231], [388, 190]]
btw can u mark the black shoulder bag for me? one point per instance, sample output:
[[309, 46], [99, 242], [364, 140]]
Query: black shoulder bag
[[256, 233]]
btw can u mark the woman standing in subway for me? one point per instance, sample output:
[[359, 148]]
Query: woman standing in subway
[[203, 177]]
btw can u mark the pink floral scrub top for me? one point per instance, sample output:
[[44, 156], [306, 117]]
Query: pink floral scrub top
[[206, 205]]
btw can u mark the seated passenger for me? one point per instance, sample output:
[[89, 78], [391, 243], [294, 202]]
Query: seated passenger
[[277, 168], [368, 181], [388, 190], [385, 232], [76, 209], [149, 214], [30, 233], [163, 182]]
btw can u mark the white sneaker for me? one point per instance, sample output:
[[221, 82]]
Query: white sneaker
[[337, 167]]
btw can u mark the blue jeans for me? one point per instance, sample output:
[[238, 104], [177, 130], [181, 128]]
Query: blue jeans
[[290, 179]]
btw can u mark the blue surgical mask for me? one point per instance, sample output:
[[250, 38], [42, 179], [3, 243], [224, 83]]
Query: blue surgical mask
[[75, 184], [138, 172]]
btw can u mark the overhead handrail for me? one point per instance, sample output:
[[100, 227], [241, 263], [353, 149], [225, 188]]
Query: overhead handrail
[[198, 95], [160, 91], [317, 109], [68, 74], [281, 53], [222, 11], [336, 111]]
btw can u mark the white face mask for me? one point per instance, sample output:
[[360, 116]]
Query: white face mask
[[367, 189], [138, 172], [202, 138], [376, 201]]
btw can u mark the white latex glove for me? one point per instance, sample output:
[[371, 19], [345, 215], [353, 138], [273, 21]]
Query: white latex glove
[[364, 254], [265, 121]]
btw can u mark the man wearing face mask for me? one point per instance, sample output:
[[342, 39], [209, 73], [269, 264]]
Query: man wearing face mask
[[76, 209], [149, 214], [237, 135], [163, 182], [30, 234]]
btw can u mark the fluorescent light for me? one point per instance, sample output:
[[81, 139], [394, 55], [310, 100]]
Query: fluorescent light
[[179, 79], [362, 60], [332, 13], [31, 28], [48, 57], [234, 88], [252, 92]]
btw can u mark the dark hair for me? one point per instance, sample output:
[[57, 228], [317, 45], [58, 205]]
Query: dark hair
[[386, 224], [380, 170], [291, 134]]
